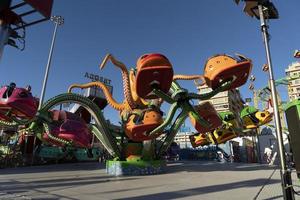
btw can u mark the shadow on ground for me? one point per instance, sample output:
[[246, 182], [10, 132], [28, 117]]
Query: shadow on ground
[[63, 181], [176, 166], [54, 168], [14, 187], [207, 166], [203, 190]]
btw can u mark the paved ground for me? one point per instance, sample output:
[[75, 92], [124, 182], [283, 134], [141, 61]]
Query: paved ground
[[183, 180]]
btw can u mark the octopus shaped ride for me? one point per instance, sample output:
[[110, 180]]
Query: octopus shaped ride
[[147, 134], [152, 82], [19, 107]]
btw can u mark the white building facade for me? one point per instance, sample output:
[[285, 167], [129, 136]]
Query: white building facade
[[230, 100], [294, 85]]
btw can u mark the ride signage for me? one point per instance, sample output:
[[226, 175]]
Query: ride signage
[[105, 81], [95, 77]]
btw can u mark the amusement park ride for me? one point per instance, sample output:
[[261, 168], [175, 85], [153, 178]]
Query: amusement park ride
[[146, 134]]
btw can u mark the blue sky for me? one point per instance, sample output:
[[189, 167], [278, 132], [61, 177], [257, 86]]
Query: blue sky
[[187, 32]]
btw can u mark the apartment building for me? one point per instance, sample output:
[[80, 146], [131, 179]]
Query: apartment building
[[294, 85]]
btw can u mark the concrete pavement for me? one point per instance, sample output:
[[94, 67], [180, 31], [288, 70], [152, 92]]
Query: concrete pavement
[[183, 180]]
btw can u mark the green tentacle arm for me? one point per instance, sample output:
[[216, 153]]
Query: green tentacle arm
[[189, 77], [125, 77], [190, 109], [173, 131], [100, 136], [52, 137], [167, 121], [40, 126], [164, 96], [12, 121], [100, 122], [111, 101], [23, 122], [8, 124], [34, 127], [179, 99], [209, 95]]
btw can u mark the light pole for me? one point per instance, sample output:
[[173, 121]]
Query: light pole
[[58, 20], [285, 174], [263, 9]]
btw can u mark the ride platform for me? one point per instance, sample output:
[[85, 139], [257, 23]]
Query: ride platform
[[135, 167]]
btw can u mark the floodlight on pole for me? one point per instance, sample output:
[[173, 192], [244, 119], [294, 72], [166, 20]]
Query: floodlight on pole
[[297, 54], [262, 10], [58, 20], [251, 8]]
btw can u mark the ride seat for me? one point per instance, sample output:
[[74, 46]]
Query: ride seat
[[75, 131], [199, 140], [71, 128], [222, 135], [221, 68], [209, 113], [18, 101], [137, 130], [153, 71]]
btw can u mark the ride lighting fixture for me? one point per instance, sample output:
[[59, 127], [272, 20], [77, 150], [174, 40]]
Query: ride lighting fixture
[[297, 54], [251, 8]]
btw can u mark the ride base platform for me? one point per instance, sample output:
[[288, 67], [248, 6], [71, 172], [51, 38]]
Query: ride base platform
[[134, 167]]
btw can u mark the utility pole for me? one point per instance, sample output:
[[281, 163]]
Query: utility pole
[[58, 20], [262, 10], [285, 174]]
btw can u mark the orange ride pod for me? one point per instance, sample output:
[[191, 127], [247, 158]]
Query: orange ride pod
[[209, 113], [264, 117], [222, 135], [199, 140], [153, 71], [133, 150], [222, 68], [137, 131]]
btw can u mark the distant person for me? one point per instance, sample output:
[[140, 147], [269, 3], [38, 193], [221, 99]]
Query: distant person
[[268, 154]]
